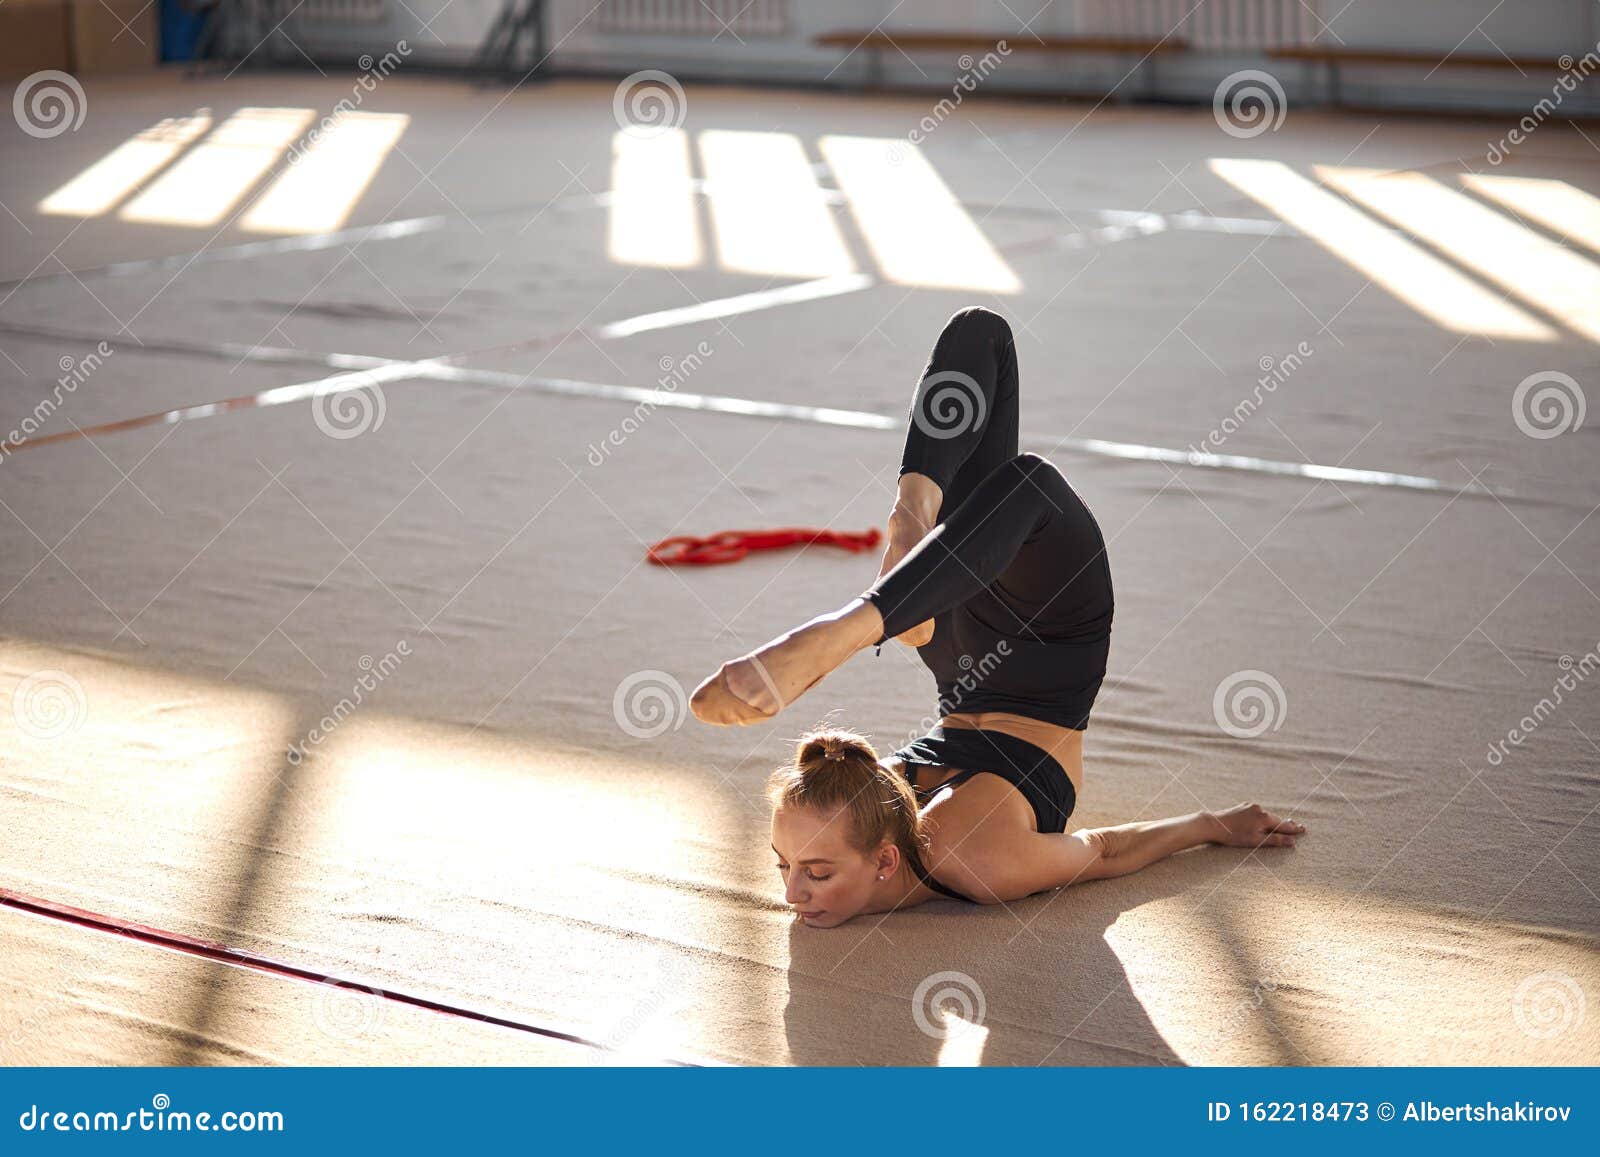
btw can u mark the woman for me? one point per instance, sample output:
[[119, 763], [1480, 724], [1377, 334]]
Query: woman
[[996, 572]]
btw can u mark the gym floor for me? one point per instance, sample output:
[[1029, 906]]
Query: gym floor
[[348, 721]]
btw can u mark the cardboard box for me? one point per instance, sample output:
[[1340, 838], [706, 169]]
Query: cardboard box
[[113, 36], [34, 35]]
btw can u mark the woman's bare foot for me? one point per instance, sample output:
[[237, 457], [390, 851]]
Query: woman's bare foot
[[757, 686], [906, 529], [1252, 826]]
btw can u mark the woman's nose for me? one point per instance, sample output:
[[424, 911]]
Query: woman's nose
[[793, 892]]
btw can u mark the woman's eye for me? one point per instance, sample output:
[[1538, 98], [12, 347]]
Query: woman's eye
[[819, 879]]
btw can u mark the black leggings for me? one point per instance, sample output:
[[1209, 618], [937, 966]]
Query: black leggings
[[1017, 556]]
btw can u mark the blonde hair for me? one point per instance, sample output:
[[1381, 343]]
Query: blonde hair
[[835, 767]]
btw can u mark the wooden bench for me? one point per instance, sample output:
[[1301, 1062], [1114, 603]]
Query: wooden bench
[[1334, 58], [875, 42]]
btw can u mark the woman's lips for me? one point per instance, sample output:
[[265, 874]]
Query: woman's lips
[[812, 915]]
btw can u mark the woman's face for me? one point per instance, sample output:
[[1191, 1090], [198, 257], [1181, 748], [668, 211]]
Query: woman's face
[[825, 880]]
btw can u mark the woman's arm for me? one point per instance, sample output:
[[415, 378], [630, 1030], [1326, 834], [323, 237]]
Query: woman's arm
[[1057, 860], [1129, 847]]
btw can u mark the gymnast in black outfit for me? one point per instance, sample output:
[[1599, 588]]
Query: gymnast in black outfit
[[997, 573]]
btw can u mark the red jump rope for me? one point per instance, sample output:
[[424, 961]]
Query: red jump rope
[[732, 545]]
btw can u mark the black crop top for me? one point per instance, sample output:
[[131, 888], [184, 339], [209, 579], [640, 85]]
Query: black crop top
[[1034, 772]]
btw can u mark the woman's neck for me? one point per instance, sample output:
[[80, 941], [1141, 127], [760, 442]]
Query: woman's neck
[[898, 891]]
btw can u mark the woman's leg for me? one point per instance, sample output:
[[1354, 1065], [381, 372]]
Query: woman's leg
[[963, 418], [962, 424], [1022, 533], [1022, 530]]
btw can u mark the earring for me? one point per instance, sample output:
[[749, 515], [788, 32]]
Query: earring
[[880, 875]]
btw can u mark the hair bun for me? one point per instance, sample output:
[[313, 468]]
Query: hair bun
[[834, 745]]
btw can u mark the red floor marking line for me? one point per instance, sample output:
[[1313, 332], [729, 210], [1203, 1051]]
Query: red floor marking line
[[253, 401], [248, 401], [237, 957]]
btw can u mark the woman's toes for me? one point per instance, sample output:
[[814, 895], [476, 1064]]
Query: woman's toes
[[709, 700], [716, 701]]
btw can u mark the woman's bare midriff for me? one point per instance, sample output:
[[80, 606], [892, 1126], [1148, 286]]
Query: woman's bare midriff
[[1065, 744]]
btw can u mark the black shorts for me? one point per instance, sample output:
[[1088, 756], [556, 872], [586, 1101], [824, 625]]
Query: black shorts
[[1034, 772]]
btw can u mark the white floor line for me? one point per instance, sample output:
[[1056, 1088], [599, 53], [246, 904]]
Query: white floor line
[[740, 303], [366, 371], [865, 420]]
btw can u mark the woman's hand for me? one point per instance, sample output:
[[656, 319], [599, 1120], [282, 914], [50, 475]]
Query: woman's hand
[[1252, 826]]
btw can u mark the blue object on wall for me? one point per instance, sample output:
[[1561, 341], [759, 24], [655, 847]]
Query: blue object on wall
[[180, 30]]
